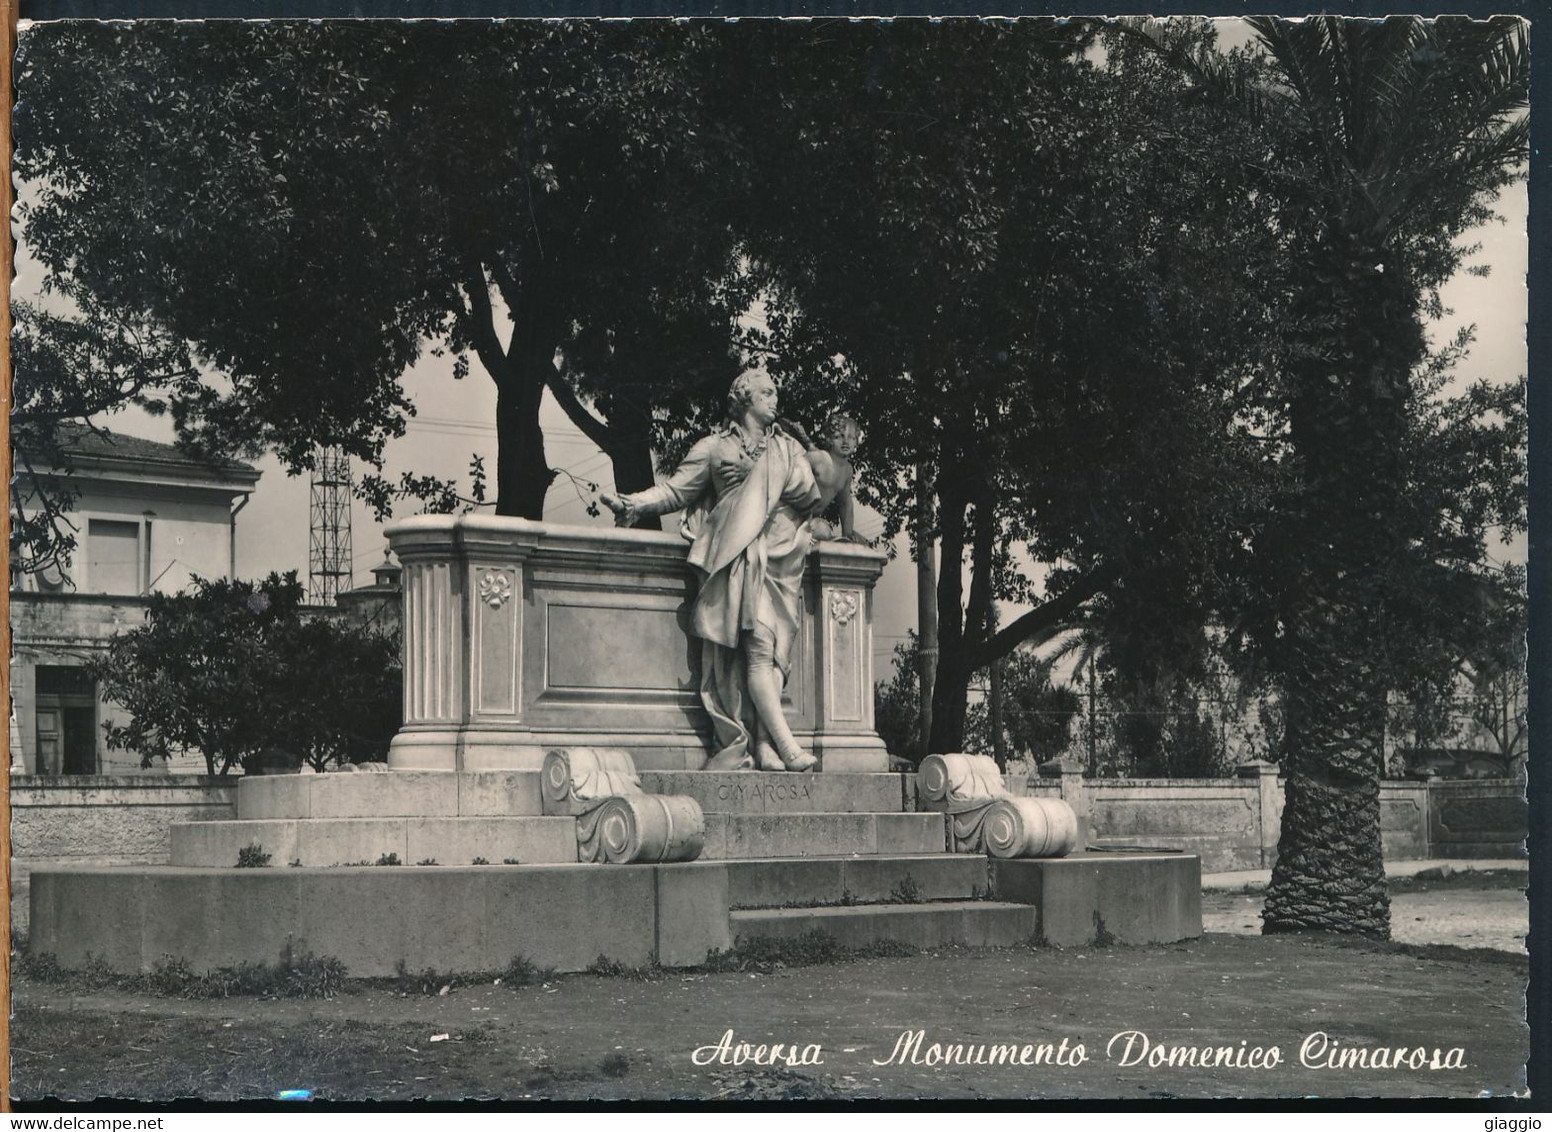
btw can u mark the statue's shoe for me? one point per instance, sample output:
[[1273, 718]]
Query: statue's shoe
[[766, 757], [800, 760]]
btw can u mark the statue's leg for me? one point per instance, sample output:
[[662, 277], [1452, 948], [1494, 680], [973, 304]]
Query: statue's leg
[[765, 691], [722, 690]]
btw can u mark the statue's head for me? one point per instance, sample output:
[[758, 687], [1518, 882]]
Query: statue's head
[[751, 389], [841, 433]]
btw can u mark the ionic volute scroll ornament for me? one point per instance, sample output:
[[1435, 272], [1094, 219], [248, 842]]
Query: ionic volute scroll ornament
[[618, 822], [984, 818]]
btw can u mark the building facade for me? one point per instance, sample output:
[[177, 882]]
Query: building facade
[[148, 518]]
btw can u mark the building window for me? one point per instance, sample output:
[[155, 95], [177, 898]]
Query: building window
[[113, 557], [66, 720]]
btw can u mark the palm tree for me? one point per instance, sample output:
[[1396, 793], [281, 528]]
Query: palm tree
[[1386, 142], [1408, 127]]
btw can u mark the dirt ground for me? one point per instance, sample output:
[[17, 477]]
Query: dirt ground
[[591, 1037], [1497, 919]]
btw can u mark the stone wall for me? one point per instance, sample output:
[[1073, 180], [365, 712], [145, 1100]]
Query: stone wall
[[1234, 823], [1476, 818], [104, 820]]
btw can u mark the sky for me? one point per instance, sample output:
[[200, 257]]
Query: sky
[[455, 422]]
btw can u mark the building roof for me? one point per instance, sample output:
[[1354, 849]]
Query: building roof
[[99, 444]]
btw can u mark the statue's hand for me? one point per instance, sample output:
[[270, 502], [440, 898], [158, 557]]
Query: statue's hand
[[625, 513], [734, 472], [797, 432]]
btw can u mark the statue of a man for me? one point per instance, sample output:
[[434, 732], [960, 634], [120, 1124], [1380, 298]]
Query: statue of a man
[[748, 491]]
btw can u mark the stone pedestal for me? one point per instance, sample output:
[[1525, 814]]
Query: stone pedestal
[[521, 637]]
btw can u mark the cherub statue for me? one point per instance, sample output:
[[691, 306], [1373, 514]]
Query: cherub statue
[[830, 460]]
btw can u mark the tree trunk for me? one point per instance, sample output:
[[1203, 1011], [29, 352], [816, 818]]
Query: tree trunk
[[999, 738], [1330, 870], [630, 454], [523, 473], [1348, 426]]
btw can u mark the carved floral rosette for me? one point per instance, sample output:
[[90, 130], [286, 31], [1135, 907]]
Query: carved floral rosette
[[984, 818]]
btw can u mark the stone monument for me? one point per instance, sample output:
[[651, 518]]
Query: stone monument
[[582, 712]]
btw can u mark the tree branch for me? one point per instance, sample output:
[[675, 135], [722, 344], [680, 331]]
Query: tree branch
[[1046, 616], [482, 325], [593, 427]]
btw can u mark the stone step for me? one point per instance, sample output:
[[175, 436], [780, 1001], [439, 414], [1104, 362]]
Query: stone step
[[390, 794], [736, 836], [785, 882], [767, 792], [322, 842], [972, 923]]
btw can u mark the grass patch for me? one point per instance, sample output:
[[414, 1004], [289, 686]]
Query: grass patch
[[429, 982], [252, 857], [607, 968], [1446, 878], [296, 975], [906, 892], [811, 949], [1103, 937], [524, 972]]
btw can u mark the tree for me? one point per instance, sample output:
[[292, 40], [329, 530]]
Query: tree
[[1392, 139], [1037, 713], [1037, 359], [895, 715], [312, 205], [68, 370], [238, 671]]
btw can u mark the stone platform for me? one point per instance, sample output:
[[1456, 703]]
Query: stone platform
[[785, 854], [467, 919], [451, 818]]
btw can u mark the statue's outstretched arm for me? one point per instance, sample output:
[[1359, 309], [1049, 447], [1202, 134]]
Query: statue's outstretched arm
[[689, 481]]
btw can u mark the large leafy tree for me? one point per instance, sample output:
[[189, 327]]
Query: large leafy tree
[[1006, 260], [311, 205]]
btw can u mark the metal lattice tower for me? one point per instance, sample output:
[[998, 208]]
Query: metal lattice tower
[[329, 561]]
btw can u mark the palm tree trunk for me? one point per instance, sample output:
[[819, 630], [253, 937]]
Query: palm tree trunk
[[1348, 427]]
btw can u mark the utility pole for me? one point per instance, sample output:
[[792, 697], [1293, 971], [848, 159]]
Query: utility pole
[[1093, 748], [926, 608]]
